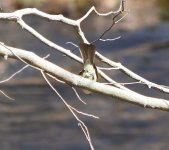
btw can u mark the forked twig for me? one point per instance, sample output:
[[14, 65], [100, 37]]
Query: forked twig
[[120, 11], [80, 122], [17, 72]]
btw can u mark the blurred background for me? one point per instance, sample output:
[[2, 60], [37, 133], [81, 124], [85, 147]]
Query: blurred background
[[38, 120]]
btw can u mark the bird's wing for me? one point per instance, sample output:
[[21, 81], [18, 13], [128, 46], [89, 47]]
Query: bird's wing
[[87, 52]]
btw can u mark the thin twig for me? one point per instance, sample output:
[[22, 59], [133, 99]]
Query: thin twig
[[107, 40], [78, 96], [125, 83], [14, 74], [108, 69], [82, 125], [55, 78], [120, 11], [6, 95], [72, 44], [76, 46], [85, 114]]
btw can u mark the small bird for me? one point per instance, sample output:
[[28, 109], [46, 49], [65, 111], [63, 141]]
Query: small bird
[[89, 69]]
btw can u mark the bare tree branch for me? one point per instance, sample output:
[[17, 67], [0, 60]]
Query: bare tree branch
[[17, 16], [75, 80], [112, 88]]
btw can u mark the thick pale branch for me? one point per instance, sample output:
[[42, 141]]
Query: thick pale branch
[[75, 80]]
